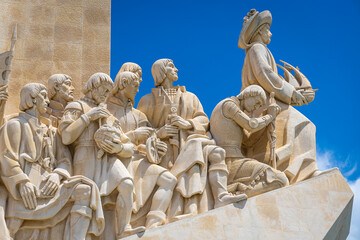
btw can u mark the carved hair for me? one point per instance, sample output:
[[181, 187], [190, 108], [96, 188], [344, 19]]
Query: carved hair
[[122, 80], [96, 80], [253, 91], [158, 70], [28, 93], [129, 67], [56, 79]]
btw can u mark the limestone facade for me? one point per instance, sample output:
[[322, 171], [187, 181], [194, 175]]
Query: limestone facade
[[55, 36]]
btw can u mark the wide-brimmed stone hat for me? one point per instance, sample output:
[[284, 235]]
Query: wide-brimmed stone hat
[[251, 24]]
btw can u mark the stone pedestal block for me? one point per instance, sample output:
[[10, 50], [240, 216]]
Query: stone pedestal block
[[318, 208]]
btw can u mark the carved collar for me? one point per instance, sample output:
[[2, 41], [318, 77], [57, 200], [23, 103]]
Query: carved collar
[[34, 122], [89, 100], [118, 101]]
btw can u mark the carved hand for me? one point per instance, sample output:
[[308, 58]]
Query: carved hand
[[28, 194], [180, 122], [143, 133], [298, 99], [52, 184], [273, 110], [97, 112], [161, 148], [112, 147], [167, 131], [3, 93]]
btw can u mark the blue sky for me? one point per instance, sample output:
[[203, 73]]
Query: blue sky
[[321, 37]]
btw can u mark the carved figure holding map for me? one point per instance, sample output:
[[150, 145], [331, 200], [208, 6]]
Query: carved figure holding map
[[295, 146], [36, 171]]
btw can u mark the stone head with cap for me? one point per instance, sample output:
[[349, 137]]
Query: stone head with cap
[[256, 28]]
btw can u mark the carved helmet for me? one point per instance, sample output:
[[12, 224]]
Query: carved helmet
[[252, 22]]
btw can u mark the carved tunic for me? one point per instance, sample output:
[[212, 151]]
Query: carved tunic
[[144, 173], [195, 142], [260, 69], [29, 152], [107, 172]]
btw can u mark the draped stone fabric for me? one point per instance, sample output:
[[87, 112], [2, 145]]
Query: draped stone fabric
[[295, 146], [25, 156]]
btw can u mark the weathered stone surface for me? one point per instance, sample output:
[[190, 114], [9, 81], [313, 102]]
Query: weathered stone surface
[[318, 208], [50, 32]]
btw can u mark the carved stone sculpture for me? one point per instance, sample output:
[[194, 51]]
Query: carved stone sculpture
[[181, 122], [147, 175], [228, 125], [5, 69], [61, 93], [36, 170], [80, 121], [295, 145]]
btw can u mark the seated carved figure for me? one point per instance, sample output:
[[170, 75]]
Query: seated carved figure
[[295, 145], [36, 170], [81, 120], [148, 176], [228, 124], [192, 156]]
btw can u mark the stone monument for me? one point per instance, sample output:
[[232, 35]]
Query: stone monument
[[95, 167]]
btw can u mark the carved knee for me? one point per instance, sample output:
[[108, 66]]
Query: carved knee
[[126, 187], [217, 160], [167, 180], [82, 192], [217, 155]]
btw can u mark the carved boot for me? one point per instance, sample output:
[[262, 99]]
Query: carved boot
[[218, 182], [155, 219], [131, 231]]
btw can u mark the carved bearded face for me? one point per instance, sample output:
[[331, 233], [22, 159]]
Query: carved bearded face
[[42, 101], [265, 34], [66, 90], [101, 93], [252, 103], [171, 71]]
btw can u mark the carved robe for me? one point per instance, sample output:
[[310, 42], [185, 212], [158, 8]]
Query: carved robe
[[29, 152], [107, 172], [295, 146], [144, 173], [191, 165]]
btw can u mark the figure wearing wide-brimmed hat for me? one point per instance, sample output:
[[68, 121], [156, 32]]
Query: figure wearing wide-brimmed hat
[[295, 146]]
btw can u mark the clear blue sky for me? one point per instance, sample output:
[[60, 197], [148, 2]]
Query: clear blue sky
[[321, 37]]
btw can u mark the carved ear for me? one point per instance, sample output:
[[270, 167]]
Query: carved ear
[[56, 86]]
